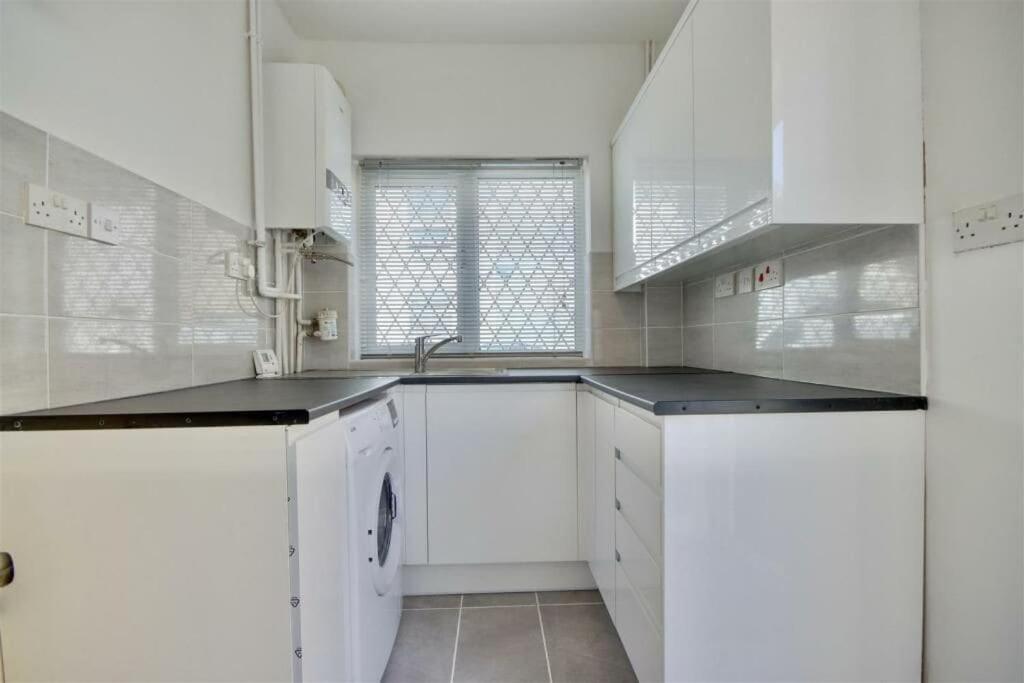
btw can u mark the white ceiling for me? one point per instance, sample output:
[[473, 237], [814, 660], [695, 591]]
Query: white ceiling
[[484, 21]]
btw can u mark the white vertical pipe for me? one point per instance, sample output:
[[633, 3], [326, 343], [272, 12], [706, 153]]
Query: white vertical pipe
[[263, 287]]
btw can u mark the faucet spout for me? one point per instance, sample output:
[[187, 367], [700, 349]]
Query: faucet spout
[[423, 353]]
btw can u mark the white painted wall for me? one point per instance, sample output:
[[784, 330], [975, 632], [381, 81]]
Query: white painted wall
[[973, 81], [160, 88], [440, 100], [280, 42]]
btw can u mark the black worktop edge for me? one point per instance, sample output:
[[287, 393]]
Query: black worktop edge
[[249, 418], [768, 405]]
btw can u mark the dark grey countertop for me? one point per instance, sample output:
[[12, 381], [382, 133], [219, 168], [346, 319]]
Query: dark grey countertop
[[735, 393], [297, 399], [242, 402]]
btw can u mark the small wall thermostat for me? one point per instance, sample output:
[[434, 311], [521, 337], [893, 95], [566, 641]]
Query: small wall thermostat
[[266, 363]]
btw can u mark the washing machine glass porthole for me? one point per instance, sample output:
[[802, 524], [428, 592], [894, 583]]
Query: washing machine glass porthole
[[385, 518]]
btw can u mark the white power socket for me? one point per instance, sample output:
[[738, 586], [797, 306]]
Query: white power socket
[[56, 211], [104, 224], [988, 225], [745, 281], [767, 275], [725, 285]]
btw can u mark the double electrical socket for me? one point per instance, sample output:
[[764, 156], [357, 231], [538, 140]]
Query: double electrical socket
[[57, 211], [989, 225], [762, 276]]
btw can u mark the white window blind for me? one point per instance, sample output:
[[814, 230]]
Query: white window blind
[[491, 250]]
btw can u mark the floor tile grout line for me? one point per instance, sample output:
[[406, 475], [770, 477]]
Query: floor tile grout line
[[543, 604], [543, 638], [458, 629]]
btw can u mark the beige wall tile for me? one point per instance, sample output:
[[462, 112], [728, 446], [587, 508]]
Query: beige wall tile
[[22, 160], [23, 380], [618, 347], [664, 346], [22, 267]]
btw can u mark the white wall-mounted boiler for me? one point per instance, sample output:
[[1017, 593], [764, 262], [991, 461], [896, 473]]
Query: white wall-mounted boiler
[[308, 146]]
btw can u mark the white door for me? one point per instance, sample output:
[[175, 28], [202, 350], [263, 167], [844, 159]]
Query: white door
[[602, 562], [501, 470]]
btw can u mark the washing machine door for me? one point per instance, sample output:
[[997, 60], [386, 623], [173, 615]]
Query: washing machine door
[[385, 539]]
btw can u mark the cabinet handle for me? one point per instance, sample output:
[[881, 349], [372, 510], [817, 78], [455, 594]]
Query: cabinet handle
[[618, 558], [618, 505], [618, 454], [6, 569]]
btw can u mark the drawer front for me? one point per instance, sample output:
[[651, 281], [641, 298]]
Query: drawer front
[[639, 636], [642, 570], [640, 506], [639, 446]]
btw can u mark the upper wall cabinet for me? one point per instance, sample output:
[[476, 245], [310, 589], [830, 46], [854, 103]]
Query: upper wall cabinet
[[768, 124]]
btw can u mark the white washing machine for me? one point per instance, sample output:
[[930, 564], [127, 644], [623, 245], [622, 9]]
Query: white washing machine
[[375, 496], [350, 540]]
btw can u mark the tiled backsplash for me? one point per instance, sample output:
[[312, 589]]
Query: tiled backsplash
[[616, 321], [82, 321], [846, 314]]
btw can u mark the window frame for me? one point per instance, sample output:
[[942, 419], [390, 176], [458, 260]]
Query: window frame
[[468, 255]]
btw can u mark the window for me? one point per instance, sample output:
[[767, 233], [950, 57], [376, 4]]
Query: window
[[491, 250]]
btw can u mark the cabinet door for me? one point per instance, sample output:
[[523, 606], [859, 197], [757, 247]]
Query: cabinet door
[[732, 107], [501, 473], [667, 204], [602, 561], [146, 554], [625, 184], [585, 470]]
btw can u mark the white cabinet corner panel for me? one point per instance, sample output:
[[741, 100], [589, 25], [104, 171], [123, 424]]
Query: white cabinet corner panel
[[146, 554], [501, 472], [794, 546]]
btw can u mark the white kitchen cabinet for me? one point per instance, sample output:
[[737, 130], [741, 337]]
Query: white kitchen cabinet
[[741, 538], [585, 470], [602, 559], [502, 482], [147, 554], [640, 637], [798, 133], [731, 107], [668, 206], [627, 184], [652, 165]]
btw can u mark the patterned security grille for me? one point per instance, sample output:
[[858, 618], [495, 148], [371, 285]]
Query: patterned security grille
[[489, 250]]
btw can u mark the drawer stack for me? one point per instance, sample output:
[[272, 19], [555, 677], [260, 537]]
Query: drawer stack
[[638, 541]]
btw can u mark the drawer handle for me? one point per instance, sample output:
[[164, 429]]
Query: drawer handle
[[618, 557], [618, 454], [618, 505]]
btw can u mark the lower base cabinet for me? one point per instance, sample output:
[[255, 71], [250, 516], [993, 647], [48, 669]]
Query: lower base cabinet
[[501, 474], [780, 547], [640, 636]]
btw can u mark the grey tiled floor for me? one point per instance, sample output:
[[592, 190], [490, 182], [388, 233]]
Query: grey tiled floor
[[560, 636]]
